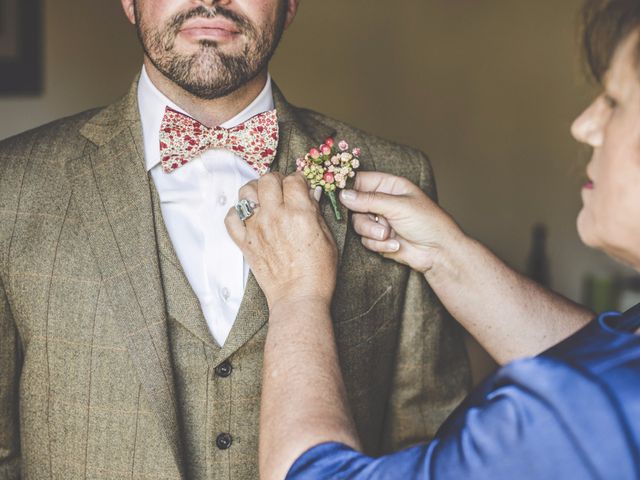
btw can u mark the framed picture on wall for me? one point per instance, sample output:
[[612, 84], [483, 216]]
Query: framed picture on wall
[[20, 47]]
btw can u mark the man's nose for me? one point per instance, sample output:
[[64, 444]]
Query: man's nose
[[588, 127]]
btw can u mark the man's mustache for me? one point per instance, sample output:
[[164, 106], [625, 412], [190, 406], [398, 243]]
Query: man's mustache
[[241, 22]]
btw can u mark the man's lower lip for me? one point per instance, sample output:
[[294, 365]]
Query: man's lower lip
[[216, 33]]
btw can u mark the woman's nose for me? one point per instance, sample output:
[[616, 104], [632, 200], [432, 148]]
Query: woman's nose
[[587, 128]]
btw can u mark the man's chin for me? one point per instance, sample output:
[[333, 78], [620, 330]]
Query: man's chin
[[207, 89], [186, 46]]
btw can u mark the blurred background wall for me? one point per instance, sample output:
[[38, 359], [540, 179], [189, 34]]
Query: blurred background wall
[[488, 88]]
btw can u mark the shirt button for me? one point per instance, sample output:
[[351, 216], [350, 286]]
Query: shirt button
[[222, 200], [224, 369], [224, 441], [225, 293]]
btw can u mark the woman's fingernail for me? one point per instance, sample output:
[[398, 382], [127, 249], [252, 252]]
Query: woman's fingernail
[[380, 232], [348, 195], [393, 245]]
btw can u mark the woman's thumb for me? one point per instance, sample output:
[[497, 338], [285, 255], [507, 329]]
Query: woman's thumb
[[370, 202]]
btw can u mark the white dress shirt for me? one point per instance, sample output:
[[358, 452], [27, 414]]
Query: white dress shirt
[[194, 201]]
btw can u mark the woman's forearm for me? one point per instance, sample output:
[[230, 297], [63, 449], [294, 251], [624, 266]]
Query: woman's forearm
[[510, 315], [304, 402], [293, 256]]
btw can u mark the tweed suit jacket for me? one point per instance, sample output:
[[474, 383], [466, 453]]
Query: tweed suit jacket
[[87, 364]]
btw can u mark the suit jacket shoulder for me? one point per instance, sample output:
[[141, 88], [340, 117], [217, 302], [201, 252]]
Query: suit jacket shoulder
[[32, 174], [56, 140], [383, 155]]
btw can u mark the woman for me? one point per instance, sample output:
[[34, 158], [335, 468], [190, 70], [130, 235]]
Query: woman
[[571, 412]]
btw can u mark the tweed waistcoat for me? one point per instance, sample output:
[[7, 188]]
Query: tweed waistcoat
[[218, 402]]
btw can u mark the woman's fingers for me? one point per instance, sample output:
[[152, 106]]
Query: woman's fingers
[[235, 227], [270, 189], [382, 246], [295, 192], [376, 203], [396, 249], [249, 192], [366, 226], [379, 219], [383, 183], [315, 193]]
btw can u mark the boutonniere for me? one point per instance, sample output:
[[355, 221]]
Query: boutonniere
[[329, 166]]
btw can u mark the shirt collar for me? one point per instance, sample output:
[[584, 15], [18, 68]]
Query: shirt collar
[[152, 104]]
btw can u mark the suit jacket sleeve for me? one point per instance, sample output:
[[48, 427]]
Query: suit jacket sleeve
[[431, 371], [10, 361]]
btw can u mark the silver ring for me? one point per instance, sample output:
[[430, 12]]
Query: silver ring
[[245, 209]]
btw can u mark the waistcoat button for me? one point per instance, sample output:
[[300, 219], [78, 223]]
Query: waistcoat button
[[224, 441], [224, 369]]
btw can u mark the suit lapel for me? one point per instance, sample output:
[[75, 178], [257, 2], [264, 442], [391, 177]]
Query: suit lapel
[[297, 135], [111, 192]]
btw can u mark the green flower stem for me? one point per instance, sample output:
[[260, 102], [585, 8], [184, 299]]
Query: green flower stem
[[334, 204]]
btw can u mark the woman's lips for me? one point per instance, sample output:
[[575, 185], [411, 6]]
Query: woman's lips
[[588, 185]]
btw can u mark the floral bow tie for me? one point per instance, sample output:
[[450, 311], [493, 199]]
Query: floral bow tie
[[182, 139]]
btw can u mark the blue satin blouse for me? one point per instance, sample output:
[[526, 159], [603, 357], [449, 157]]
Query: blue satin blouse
[[572, 412]]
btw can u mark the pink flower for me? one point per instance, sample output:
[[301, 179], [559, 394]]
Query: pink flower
[[329, 141], [344, 146], [356, 152], [325, 149], [328, 177], [315, 153]]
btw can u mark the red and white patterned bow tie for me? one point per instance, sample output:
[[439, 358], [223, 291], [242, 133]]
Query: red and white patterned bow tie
[[182, 139]]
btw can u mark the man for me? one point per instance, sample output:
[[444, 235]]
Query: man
[[131, 329]]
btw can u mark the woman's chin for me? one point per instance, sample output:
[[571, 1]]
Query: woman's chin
[[614, 246], [586, 230]]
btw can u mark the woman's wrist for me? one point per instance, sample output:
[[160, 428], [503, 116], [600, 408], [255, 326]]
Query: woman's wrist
[[306, 305], [450, 257]]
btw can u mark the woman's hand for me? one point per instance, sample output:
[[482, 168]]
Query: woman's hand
[[411, 228], [511, 316], [286, 242]]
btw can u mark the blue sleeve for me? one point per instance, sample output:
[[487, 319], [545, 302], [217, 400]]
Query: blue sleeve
[[337, 461], [513, 433]]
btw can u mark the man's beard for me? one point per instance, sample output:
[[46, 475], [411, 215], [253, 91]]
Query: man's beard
[[209, 73]]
